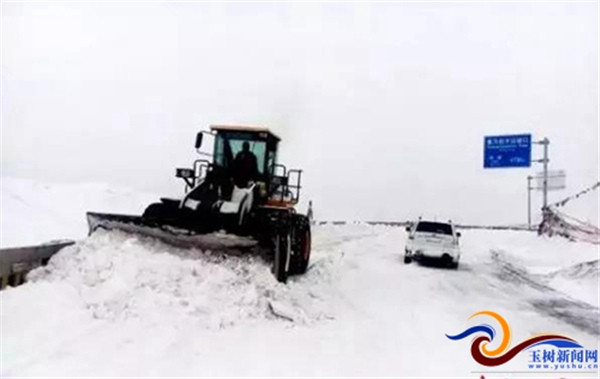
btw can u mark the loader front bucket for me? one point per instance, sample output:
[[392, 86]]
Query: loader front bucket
[[216, 241]]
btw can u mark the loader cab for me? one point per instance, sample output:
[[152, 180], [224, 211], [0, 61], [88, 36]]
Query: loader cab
[[229, 141], [276, 185]]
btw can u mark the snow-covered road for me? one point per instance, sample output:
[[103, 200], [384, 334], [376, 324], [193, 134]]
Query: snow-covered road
[[117, 305]]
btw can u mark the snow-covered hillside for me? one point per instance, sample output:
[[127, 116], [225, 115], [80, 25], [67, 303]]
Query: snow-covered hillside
[[120, 305], [35, 212]]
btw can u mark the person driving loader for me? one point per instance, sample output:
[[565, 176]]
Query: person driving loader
[[245, 166]]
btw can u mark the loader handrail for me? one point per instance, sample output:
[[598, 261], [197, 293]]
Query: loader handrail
[[201, 167], [295, 189], [284, 189]]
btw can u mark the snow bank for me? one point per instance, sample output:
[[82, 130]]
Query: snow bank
[[580, 281], [585, 270], [565, 266], [539, 255], [119, 277]]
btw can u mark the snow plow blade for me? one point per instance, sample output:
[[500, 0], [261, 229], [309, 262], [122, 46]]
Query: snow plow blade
[[216, 241]]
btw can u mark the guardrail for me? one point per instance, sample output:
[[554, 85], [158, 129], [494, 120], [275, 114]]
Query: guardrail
[[406, 223], [16, 262]]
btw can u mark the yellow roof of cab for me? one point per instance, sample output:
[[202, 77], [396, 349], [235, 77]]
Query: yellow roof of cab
[[244, 128]]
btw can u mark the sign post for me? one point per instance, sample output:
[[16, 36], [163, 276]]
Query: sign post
[[529, 177], [545, 142]]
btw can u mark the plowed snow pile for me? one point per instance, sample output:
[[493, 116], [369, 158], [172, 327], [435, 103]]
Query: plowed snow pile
[[118, 276]]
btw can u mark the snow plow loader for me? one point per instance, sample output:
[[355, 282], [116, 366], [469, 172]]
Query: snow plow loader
[[239, 198]]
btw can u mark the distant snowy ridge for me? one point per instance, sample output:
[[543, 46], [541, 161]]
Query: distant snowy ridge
[[35, 212]]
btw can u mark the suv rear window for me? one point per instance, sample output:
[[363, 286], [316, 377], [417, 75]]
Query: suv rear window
[[434, 227]]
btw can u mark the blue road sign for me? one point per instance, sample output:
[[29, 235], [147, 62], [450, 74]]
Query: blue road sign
[[507, 151]]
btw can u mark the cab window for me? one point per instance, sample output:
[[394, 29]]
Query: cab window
[[227, 146], [434, 227]]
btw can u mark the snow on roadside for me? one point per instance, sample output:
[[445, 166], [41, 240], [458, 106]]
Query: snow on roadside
[[127, 296], [120, 276], [539, 254], [579, 281], [542, 259]]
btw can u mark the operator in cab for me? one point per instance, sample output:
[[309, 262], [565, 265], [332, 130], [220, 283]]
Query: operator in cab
[[245, 167]]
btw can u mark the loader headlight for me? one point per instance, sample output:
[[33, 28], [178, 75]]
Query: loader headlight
[[184, 173], [262, 189]]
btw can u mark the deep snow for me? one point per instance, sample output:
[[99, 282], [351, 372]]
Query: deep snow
[[119, 305]]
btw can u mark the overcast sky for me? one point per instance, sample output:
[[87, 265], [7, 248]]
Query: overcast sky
[[384, 106]]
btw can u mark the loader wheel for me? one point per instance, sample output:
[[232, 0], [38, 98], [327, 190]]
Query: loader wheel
[[155, 213], [301, 245], [281, 261], [407, 260]]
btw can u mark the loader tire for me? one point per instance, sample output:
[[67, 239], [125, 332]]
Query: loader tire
[[155, 213], [281, 261], [301, 245]]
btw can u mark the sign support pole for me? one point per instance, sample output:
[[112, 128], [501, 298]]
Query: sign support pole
[[529, 201], [545, 142], [544, 161]]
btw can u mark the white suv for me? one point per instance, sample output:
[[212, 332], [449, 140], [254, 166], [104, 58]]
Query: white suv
[[433, 240]]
